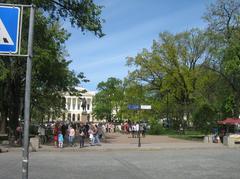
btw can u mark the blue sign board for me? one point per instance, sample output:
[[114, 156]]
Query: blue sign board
[[133, 107], [9, 29]]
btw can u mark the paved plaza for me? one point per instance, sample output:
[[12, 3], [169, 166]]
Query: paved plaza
[[119, 158], [170, 164]]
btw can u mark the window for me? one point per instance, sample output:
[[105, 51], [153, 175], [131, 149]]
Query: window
[[73, 117], [69, 116], [68, 103], [79, 104], [74, 103]]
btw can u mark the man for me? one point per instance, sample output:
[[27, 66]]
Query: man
[[82, 133], [41, 133]]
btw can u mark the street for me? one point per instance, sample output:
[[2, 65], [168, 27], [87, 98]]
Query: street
[[172, 163]]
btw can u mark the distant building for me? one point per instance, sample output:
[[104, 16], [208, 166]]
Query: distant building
[[74, 111]]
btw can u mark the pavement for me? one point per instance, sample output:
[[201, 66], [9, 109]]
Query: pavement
[[119, 157], [117, 141]]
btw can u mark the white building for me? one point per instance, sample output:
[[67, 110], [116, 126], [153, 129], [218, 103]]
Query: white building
[[74, 111]]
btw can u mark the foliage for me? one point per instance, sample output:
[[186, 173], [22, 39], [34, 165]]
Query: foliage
[[51, 77], [84, 14], [155, 128], [205, 118], [108, 101], [223, 35], [170, 71]]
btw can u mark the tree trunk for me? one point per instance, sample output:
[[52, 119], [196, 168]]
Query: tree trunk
[[2, 124]]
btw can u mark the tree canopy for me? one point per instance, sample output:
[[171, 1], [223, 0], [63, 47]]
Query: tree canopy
[[51, 76]]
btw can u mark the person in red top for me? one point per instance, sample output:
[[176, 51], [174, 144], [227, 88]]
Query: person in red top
[[55, 135]]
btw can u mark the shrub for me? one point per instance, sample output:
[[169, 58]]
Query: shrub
[[155, 128]]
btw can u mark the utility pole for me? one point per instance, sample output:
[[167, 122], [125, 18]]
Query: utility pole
[[27, 96]]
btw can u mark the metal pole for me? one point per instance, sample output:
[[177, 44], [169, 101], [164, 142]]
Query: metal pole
[[27, 96], [139, 138], [168, 123]]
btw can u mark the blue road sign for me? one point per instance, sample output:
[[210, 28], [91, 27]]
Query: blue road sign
[[9, 29], [133, 107]]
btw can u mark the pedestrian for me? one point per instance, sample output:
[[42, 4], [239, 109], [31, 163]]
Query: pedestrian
[[96, 135], [82, 133], [55, 135], [133, 130], [41, 133], [71, 136], [144, 130], [60, 140], [90, 133]]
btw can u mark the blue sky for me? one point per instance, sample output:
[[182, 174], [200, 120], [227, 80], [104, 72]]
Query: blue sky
[[130, 26]]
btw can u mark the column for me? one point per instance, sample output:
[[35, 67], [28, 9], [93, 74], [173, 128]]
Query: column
[[71, 106]]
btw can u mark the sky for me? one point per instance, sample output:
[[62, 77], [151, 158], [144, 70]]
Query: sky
[[130, 26]]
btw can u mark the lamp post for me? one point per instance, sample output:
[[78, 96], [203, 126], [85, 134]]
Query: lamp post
[[168, 123]]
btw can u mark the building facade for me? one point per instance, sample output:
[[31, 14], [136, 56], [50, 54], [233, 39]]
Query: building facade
[[74, 110]]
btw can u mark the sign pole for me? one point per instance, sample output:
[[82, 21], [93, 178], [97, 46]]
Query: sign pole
[[27, 96], [139, 137]]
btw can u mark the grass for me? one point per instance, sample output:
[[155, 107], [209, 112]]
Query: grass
[[188, 135]]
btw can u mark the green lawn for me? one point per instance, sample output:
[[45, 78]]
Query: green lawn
[[188, 135]]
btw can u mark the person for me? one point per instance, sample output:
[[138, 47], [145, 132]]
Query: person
[[60, 140], [96, 135], [144, 130], [91, 137], [71, 136], [82, 132], [137, 129], [55, 135], [222, 134], [100, 131], [41, 133], [19, 136], [133, 130]]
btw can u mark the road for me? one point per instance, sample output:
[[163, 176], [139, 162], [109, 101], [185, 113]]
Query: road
[[165, 164]]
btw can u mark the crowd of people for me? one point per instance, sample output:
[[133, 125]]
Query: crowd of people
[[73, 134], [134, 129], [64, 134]]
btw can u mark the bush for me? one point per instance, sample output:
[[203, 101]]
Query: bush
[[155, 128]]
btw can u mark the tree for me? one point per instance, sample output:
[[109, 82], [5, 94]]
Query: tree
[[171, 68], [205, 118], [108, 101], [224, 35], [51, 76], [84, 14]]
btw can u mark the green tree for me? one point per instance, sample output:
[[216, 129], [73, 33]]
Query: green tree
[[205, 118], [84, 14], [108, 101], [171, 69], [224, 49], [51, 76]]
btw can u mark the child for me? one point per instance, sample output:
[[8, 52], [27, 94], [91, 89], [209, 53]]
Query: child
[[60, 140]]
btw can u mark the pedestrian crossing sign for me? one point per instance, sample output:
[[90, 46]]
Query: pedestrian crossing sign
[[9, 29]]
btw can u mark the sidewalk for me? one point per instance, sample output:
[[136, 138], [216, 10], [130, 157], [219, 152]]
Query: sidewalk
[[118, 141]]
